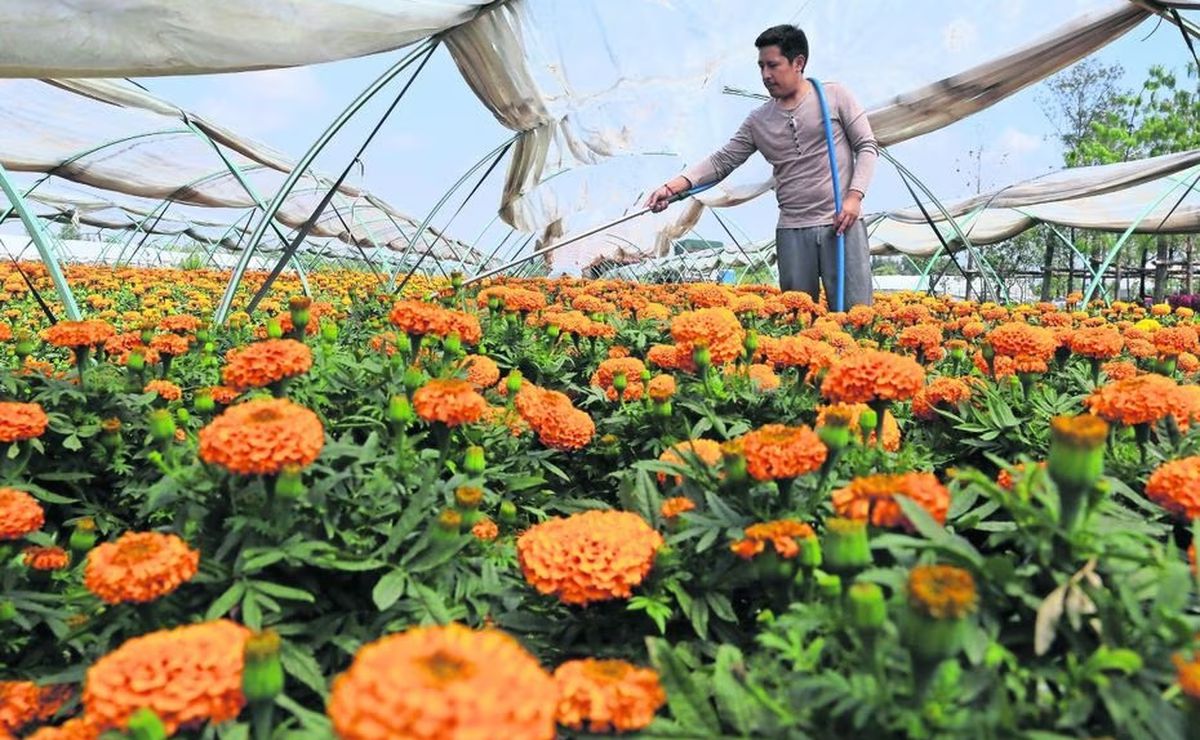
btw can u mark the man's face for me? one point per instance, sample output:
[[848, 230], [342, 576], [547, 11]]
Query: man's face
[[779, 76]]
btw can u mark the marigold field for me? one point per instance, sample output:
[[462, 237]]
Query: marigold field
[[564, 508]]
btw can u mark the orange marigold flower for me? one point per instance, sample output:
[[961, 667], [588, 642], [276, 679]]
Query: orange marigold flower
[[607, 695], [139, 567], [449, 401], [419, 318], [653, 312], [1175, 340], [23, 702], [384, 342], [261, 364], [20, 514], [1187, 673], [165, 389], [170, 344], [1016, 339], [1004, 478], [554, 418], [588, 557], [260, 436], [1097, 343], [76, 728], [873, 375], [1140, 400], [661, 388], [45, 558], [852, 412], [922, 337], [78, 334], [800, 352], [485, 530], [187, 676], [675, 506], [667, 357], [1175, 486], [763, 377], [782, 535], [973, 329], [706, 451], [717, 328], [446, 682], [776, 451], [944, 392], [708, 295], [223, 394], [20, 421], [482, 371], [631, 367], [941, 591], [1141, 348], [180, 324], [1119, 369], [872, 498]]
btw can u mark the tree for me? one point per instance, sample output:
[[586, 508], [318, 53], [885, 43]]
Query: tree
[[1161, 118], [1079, 97]]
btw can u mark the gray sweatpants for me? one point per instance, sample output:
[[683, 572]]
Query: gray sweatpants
[[804, 255]]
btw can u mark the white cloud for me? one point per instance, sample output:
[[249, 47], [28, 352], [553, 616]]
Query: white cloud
[[959, 35], [1013, 141]]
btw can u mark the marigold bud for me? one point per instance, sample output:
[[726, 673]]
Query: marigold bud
[[828, 584], [203, 402], [701, 356], [449, 521], [413, 379], [751, 342], [508, 512], [866, 609], [846, 546], [468, 497], [400, 410], [513, 383], [262, 674], [810, 553], [329, 331], [274, 329], [162, 425], [474, 463], [867, 420], [619, 382], [453, 344], [290, 483], [1076, 460], [83, 537], [136, 361], [8, 610]]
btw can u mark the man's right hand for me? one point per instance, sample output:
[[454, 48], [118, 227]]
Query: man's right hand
[[661, 198]]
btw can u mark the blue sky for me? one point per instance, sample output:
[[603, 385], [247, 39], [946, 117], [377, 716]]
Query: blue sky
[[441, 129]]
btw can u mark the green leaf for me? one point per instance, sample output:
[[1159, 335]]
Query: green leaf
[[937, 534], [736, 704], [435, 605], [251, 611], [283, 592], [300, 664], [223, 603], [439, 554], [389, 589], [719, 603], [72, 443], [687, 701]]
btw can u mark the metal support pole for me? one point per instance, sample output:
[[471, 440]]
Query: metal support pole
[[44, 246], [300, 167]]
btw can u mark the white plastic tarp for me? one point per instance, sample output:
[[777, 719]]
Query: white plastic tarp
[[138, 38]]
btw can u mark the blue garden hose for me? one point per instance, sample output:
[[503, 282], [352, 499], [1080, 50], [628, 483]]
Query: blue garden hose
[[837, 194]]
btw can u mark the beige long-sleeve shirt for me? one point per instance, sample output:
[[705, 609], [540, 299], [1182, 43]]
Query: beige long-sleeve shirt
[[793, 142]]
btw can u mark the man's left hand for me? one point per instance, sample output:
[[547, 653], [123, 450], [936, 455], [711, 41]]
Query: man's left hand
[[851, 210]]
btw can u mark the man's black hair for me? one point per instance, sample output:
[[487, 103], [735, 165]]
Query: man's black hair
[[791, 41]]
